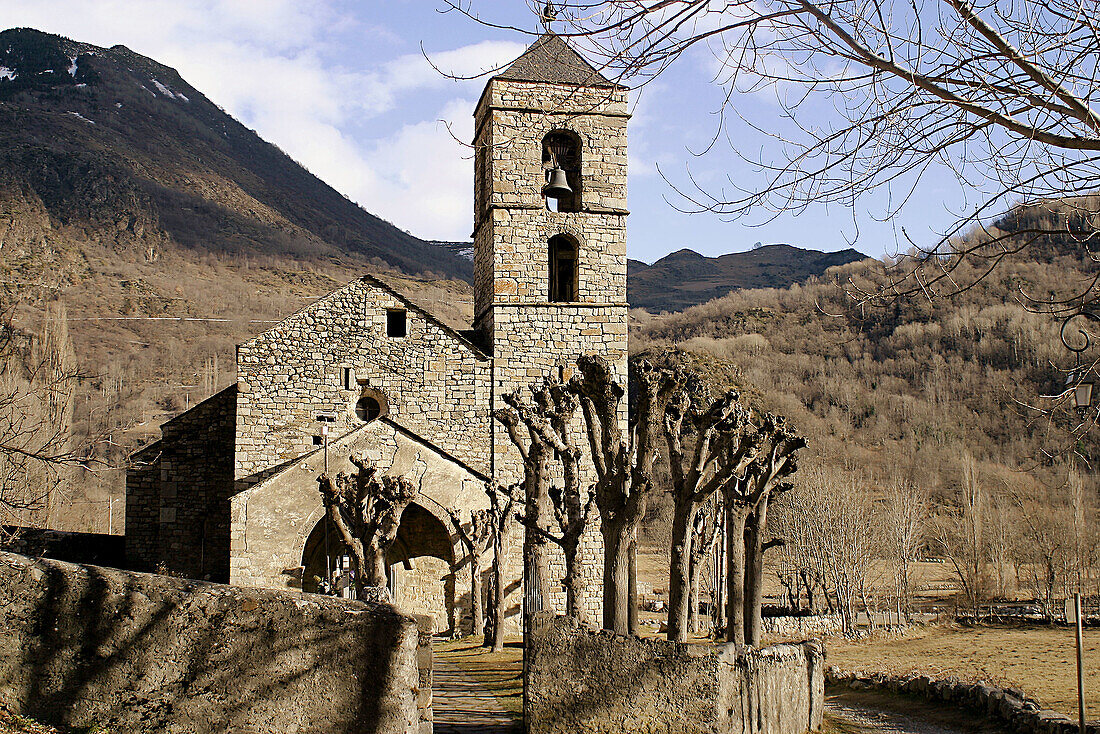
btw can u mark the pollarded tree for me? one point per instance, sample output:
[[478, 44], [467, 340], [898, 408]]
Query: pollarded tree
[[708, 446], [623, 463], [366, 510], [476, 535], [537, 457], [547, 419], [746, 498], [502, 505]]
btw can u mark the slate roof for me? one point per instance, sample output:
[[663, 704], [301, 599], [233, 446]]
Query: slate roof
[[550, 59]]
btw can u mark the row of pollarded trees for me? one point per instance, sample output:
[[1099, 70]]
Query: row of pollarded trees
[[716, 447]]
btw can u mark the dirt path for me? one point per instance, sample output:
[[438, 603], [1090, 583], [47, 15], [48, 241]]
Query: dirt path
[[463, 705], [852, 712]]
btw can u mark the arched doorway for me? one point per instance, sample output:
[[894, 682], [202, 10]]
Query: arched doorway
[[421, 564]]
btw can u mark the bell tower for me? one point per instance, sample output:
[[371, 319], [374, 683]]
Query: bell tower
[[550, 214], [550, 240]]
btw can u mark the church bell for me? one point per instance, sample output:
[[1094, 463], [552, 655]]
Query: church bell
[[558, 186]]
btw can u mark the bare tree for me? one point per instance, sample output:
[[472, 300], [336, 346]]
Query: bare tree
[[476, 536], [502, 504], [38, 376], [548, 419], [537, 457], [905, 511], [624, 465], [961, 535], [366, 509], [998, 95], [722, 449], [746, 498]]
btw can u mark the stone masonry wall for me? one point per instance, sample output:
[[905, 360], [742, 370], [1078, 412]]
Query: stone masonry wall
[[177, 499], [533, 342], [519, 245], [582, 681], [436, 383], [272, 520], [87, 647]]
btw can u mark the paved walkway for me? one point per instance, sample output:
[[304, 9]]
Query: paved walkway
[[461, 706], [873, 713]]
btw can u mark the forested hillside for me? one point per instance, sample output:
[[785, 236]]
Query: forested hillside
[[925, 401]]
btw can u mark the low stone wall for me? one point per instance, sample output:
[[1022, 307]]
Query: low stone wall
[[579, 680], [1012, 707], [810, 626], [83, 646]]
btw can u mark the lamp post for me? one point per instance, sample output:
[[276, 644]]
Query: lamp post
[[1082, 384], [326, 420]]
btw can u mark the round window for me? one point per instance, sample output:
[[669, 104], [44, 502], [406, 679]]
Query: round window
[[368, 408]]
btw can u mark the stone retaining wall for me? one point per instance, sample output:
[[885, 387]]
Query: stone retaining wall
[[580, 680], [83, 646], [1012, 707]]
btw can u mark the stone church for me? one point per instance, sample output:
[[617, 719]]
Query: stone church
[[229, 492]]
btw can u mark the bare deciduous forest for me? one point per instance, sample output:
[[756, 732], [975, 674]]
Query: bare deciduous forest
[[928, 435]]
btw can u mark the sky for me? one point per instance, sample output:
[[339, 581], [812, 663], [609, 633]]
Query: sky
[[344, 88]]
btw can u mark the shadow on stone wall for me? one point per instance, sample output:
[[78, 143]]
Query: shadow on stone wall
[[85, 646], [584, 681]]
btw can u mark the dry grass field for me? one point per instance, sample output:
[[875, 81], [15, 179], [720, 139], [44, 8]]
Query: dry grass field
[[1038, 660]]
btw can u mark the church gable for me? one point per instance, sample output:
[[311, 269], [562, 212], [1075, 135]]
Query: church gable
[[362, 352]]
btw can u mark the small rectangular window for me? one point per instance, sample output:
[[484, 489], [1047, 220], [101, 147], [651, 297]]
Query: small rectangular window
[[349, 378], [396, 322]]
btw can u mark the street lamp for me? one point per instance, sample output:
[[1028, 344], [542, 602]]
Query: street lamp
[[325, 420], [1083, 387]]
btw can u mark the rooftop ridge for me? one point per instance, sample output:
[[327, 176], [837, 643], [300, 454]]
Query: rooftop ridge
[[551, 59]]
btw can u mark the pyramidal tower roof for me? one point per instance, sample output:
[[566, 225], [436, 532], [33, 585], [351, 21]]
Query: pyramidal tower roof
[[551, 59]]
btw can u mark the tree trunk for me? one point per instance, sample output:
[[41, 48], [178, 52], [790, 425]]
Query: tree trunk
[[498, 590], [754, 574], [616, 577], [375, 571], [720, 580], [632, 588], [735, 574], [572, 580], [537, 555], [477, 612], [679, 576], [697, 565]]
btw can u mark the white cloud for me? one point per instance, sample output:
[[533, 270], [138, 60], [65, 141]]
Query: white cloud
[[425, 175]]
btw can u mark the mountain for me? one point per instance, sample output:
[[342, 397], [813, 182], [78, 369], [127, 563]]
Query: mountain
[[686, 278], [114, 148]]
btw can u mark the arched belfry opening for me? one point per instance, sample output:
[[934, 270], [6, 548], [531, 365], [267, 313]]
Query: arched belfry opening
[[563, 270], [561, 163]]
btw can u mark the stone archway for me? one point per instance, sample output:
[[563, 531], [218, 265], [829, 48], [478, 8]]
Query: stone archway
[[421, 563], [422, 567]]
